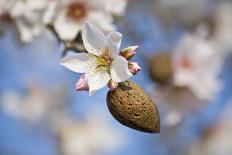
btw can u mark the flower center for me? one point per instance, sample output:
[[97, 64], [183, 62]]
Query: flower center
[[185, 63], [103, 61], [77, 11]]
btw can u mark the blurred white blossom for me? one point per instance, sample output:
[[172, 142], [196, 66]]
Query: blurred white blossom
[[68, 16], [93, 135], [176, 102], [28, 15], [114, 7], [223, 29], [5, 6], [102, 62], [197, 65], [32, 106], [216, 140], [5, 18]]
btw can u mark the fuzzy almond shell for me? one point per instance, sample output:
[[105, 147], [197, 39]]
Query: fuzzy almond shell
[[132, 107]]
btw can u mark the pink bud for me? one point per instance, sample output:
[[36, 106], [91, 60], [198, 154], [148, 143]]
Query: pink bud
[[82, 83], [134, 67], [129, 52], [112, 85]]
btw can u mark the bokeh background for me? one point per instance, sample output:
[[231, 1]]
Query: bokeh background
[[41, 113]]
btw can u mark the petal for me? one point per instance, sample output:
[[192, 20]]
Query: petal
[[113, 40], [119, 69], [27, 33], [50, 12], [116, 7], [93, 39], [17, 9], [134, 67], [66, 28], [97, 80], [80, 63], [36, 5], [106, 25], [82, 83]]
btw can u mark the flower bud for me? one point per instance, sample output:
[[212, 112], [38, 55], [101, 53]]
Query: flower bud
[[129, 52], [82, 83], [134, 67], [112, 85]]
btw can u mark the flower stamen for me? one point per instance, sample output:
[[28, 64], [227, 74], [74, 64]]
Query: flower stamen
[[77, 11], [103, 61]]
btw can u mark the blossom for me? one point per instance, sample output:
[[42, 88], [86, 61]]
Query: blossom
[[5, 19], [32, 106], [88, 136], [222, 33], [176, 103], [102, 63], [216, 138], [196, 65], [69, 16], [28, 18], [115, 7], [5, 6]]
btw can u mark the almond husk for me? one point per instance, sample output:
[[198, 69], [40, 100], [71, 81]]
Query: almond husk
[[132, 107]]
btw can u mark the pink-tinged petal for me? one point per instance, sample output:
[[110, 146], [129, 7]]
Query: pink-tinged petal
[[80, 62], [113, 41], [129, 52], [119, 69], [82, 83], [134, 67], [94, 40]]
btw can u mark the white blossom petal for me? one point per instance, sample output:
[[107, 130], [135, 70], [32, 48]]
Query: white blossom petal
[[119, 69], [80, 63], [50, 12], [113, 40], [28, 32], [105, 25], [24, 32], [97, 80], [6, 5], [66, 28], [17, 9], [93, 39], [116, 7]]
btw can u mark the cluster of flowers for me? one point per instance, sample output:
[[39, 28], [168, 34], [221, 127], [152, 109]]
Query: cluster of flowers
[[103, 64], [66, 16], [198, 57]]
